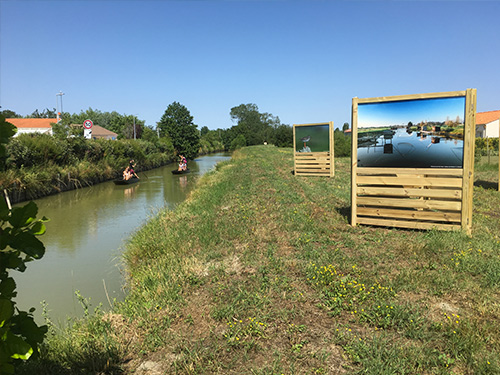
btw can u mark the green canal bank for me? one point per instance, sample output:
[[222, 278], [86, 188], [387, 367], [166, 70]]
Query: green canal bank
[[259, 272]]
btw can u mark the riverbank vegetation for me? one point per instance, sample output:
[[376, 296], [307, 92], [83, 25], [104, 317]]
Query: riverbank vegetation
[[259, 272], [38, 164]]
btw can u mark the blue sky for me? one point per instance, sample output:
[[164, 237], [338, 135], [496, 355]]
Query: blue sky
[[303, 61], [402, 112]]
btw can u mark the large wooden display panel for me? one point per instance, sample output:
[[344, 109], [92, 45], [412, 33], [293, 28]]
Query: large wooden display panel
[[418, 198], [314, 163]]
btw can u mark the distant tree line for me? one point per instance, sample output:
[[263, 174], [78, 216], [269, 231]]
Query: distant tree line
[[251, 127]]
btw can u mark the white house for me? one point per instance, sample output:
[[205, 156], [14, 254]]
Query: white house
[[32, 125], [487, 124]]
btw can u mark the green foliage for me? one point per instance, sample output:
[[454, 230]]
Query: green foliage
[[342, 144], [7, 113], [283, 136], [238, 142], [178, 124], [256, 128], [19, 334], [7, 130], [37, 164], [483, 145], [123, 125], [46, 113]]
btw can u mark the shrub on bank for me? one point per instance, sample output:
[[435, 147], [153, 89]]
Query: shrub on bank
[[39, 164]]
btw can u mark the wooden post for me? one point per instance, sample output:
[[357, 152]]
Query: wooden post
[[468, 159], [332, 150], [7, 200], [294, 152], [354, 160]]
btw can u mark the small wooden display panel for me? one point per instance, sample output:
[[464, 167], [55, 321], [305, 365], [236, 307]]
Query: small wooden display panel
[[417, 173], [313, 149]]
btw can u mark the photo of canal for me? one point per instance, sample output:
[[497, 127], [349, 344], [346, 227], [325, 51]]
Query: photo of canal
[[420, 133], [409, 149]]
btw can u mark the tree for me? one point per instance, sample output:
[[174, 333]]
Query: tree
[[177, 123], [19, 334], [204, 130], [345, 126], [342, 143], [238, 142], [132, 127], [250, 123], [283, 136], [7, 113], [46, 113]]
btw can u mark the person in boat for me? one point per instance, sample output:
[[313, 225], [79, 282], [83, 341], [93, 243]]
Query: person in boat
[[126, 174], [131, 166], [182, 163], [129, 172]]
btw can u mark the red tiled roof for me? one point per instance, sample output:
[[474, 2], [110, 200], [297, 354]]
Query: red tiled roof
[[98, 130], [486, 117], [45, 123]]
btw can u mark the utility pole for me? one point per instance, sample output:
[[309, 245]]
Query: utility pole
[[57, 106]]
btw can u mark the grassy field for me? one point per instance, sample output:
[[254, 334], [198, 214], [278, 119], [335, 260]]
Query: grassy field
[[259, 272]]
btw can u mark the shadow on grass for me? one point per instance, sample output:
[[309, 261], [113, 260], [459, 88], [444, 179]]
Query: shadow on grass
[[344, 211], [93, 365], [488, 185]]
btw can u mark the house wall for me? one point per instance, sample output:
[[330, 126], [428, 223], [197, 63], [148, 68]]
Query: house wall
[[33, 130], [492, 129]]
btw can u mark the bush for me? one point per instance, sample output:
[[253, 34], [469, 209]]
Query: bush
[[238, 142], [38, 165]]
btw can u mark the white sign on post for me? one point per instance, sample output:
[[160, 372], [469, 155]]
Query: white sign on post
[[87, 129]]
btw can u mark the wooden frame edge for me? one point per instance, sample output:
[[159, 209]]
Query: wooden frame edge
[[354, 158], [448, 94]]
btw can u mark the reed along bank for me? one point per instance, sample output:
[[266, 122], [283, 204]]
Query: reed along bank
[[260, 272]]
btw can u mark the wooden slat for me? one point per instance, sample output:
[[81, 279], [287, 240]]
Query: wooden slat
[[410, 203], [440, 216], [313, 158], [313, 161], [409, 181], [410, 192], [312, 174], [312, 153], [456, 172], [313, 165], [405, 224]]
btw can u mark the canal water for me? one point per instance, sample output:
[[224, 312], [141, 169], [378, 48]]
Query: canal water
[[409, 149], [86, 234]]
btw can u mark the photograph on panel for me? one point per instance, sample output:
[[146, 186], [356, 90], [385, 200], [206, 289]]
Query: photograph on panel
[[420, 133], [313, 138]]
